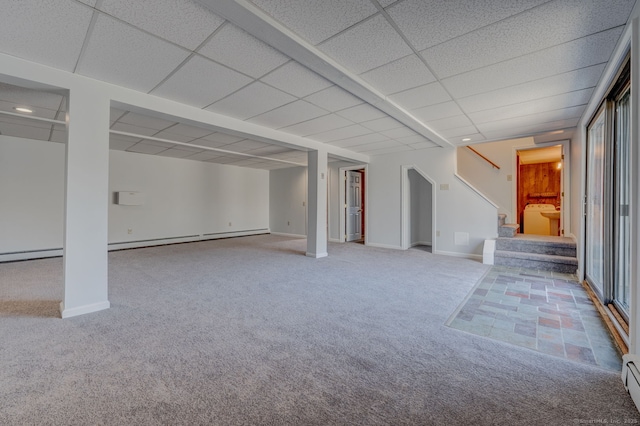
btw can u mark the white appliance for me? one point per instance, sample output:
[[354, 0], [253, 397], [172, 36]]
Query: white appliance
[[631, 377], [534, 222]]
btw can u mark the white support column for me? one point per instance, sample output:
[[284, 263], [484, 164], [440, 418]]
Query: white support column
[[317, 190], [86, 203]]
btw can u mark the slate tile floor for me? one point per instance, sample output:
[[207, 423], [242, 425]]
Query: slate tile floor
[[545, 311]]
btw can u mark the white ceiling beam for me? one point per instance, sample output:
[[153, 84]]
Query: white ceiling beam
[[262, 26]]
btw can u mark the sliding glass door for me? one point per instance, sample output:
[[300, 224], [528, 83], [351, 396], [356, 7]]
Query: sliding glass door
[[607, 199]]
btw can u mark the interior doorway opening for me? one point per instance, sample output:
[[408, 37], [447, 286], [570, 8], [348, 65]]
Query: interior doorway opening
[[418, 210], [353, 200], [539, 190]]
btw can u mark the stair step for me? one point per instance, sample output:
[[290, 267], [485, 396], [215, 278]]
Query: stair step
[[547, 262], [508, 230], [501, 219], [537, 244]]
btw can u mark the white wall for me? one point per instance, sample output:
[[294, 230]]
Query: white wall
[[183, 198], [288, 201], [420, 203]]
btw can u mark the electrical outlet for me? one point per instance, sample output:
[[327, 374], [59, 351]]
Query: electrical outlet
[[129, 231], [444, 187]]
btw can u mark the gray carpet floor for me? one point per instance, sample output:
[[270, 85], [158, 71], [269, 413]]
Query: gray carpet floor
[[249, 331]]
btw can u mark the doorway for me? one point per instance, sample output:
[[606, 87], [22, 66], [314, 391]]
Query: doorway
[[353, 198], [418, 210], [539, 190]]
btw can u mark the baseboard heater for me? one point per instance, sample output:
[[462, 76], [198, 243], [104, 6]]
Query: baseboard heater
[[631, 377]]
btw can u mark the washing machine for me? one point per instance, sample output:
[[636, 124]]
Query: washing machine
[[534, 222]]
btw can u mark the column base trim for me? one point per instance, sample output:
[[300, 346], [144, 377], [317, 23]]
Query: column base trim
[[317, 255], [85, 309]]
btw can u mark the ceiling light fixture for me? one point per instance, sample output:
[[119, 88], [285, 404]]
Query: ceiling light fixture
[[466, 139], [23, 109]]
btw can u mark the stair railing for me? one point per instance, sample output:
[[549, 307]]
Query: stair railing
[[484, 158]]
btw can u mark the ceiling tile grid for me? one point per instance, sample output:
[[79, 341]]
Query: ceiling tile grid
[[251, 100]]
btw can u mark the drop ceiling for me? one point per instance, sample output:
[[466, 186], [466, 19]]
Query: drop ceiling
[[374, 77]]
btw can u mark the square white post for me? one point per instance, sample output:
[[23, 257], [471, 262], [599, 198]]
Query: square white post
[[86, 203], [317, 183]]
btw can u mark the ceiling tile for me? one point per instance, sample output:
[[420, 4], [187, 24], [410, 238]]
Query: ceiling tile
[[30, 97], [341, 133], [367, 45], [289, 114], [176, 153], [469, 139], [218, 139], [24, 122], [530, 129], [243, 52], [555, 22], [566, 57], [392, 150], [115, 114], [193, 83], [58, 136], [556, 84], [399, 75], [26, 131], [380, 124], [426, 95], [147, 148], [461, 131], [145, 121], [172, 137], [531, 120], [37, 111], [132, 128], [296, 79], [183, 22], [565, 100], [375, 145], [122, 55], [251, 100], [359, 140], [50, 32], [318, 125], [245, 145], [186, 130], [360, 113], [427, 23], [121, 143], [204, 156], [317, 20], [410, 140], [438, 111], [423, 145], [400, 132], [268, 150], [333, 99], [450, 123], [385, 3]]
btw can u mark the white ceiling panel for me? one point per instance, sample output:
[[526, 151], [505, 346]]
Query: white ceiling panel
[[400, 132], [189, 131], [438, 111], [120, 54], [556, 23], [27, 131], [204, 156], [318, 125], [333, 99], [375, 145], [367, 45], [426, 95], [360, 113], [218, 139], [565, 100], [380, 124], [245, 145], [242, 52], [557, 84], [341, 133], [37, 112], [461, 131], [145, 121], [29, 97], [192, 83], [470, 139], [27, 27], [268, 150], [505, 133], [383, 151], [410, 140], [423, 145], [317, 20], [289, 114], [427, 23], [91, 3], [176, 153], [171, 137], [132, 128], [59, 136], [450, 123], [121, 143], [295, 79], [251, 100], [115, 114], [183, 22], [147, 148], [566, 57], [532, 120], [7, 119], [399, 75], [360, 140]]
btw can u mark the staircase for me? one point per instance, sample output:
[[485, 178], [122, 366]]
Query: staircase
[[548, 253]]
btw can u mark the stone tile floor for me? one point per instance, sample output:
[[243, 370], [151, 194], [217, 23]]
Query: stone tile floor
[[545, 311]]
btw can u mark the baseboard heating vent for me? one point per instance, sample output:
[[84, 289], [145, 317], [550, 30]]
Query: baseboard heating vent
[[631, 377]]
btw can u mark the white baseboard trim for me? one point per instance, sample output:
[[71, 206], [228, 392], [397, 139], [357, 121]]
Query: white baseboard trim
[[33, 254], [284, 234], [386, 246], [335, 240], [457, 254], [317, 255], [85, 309]]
